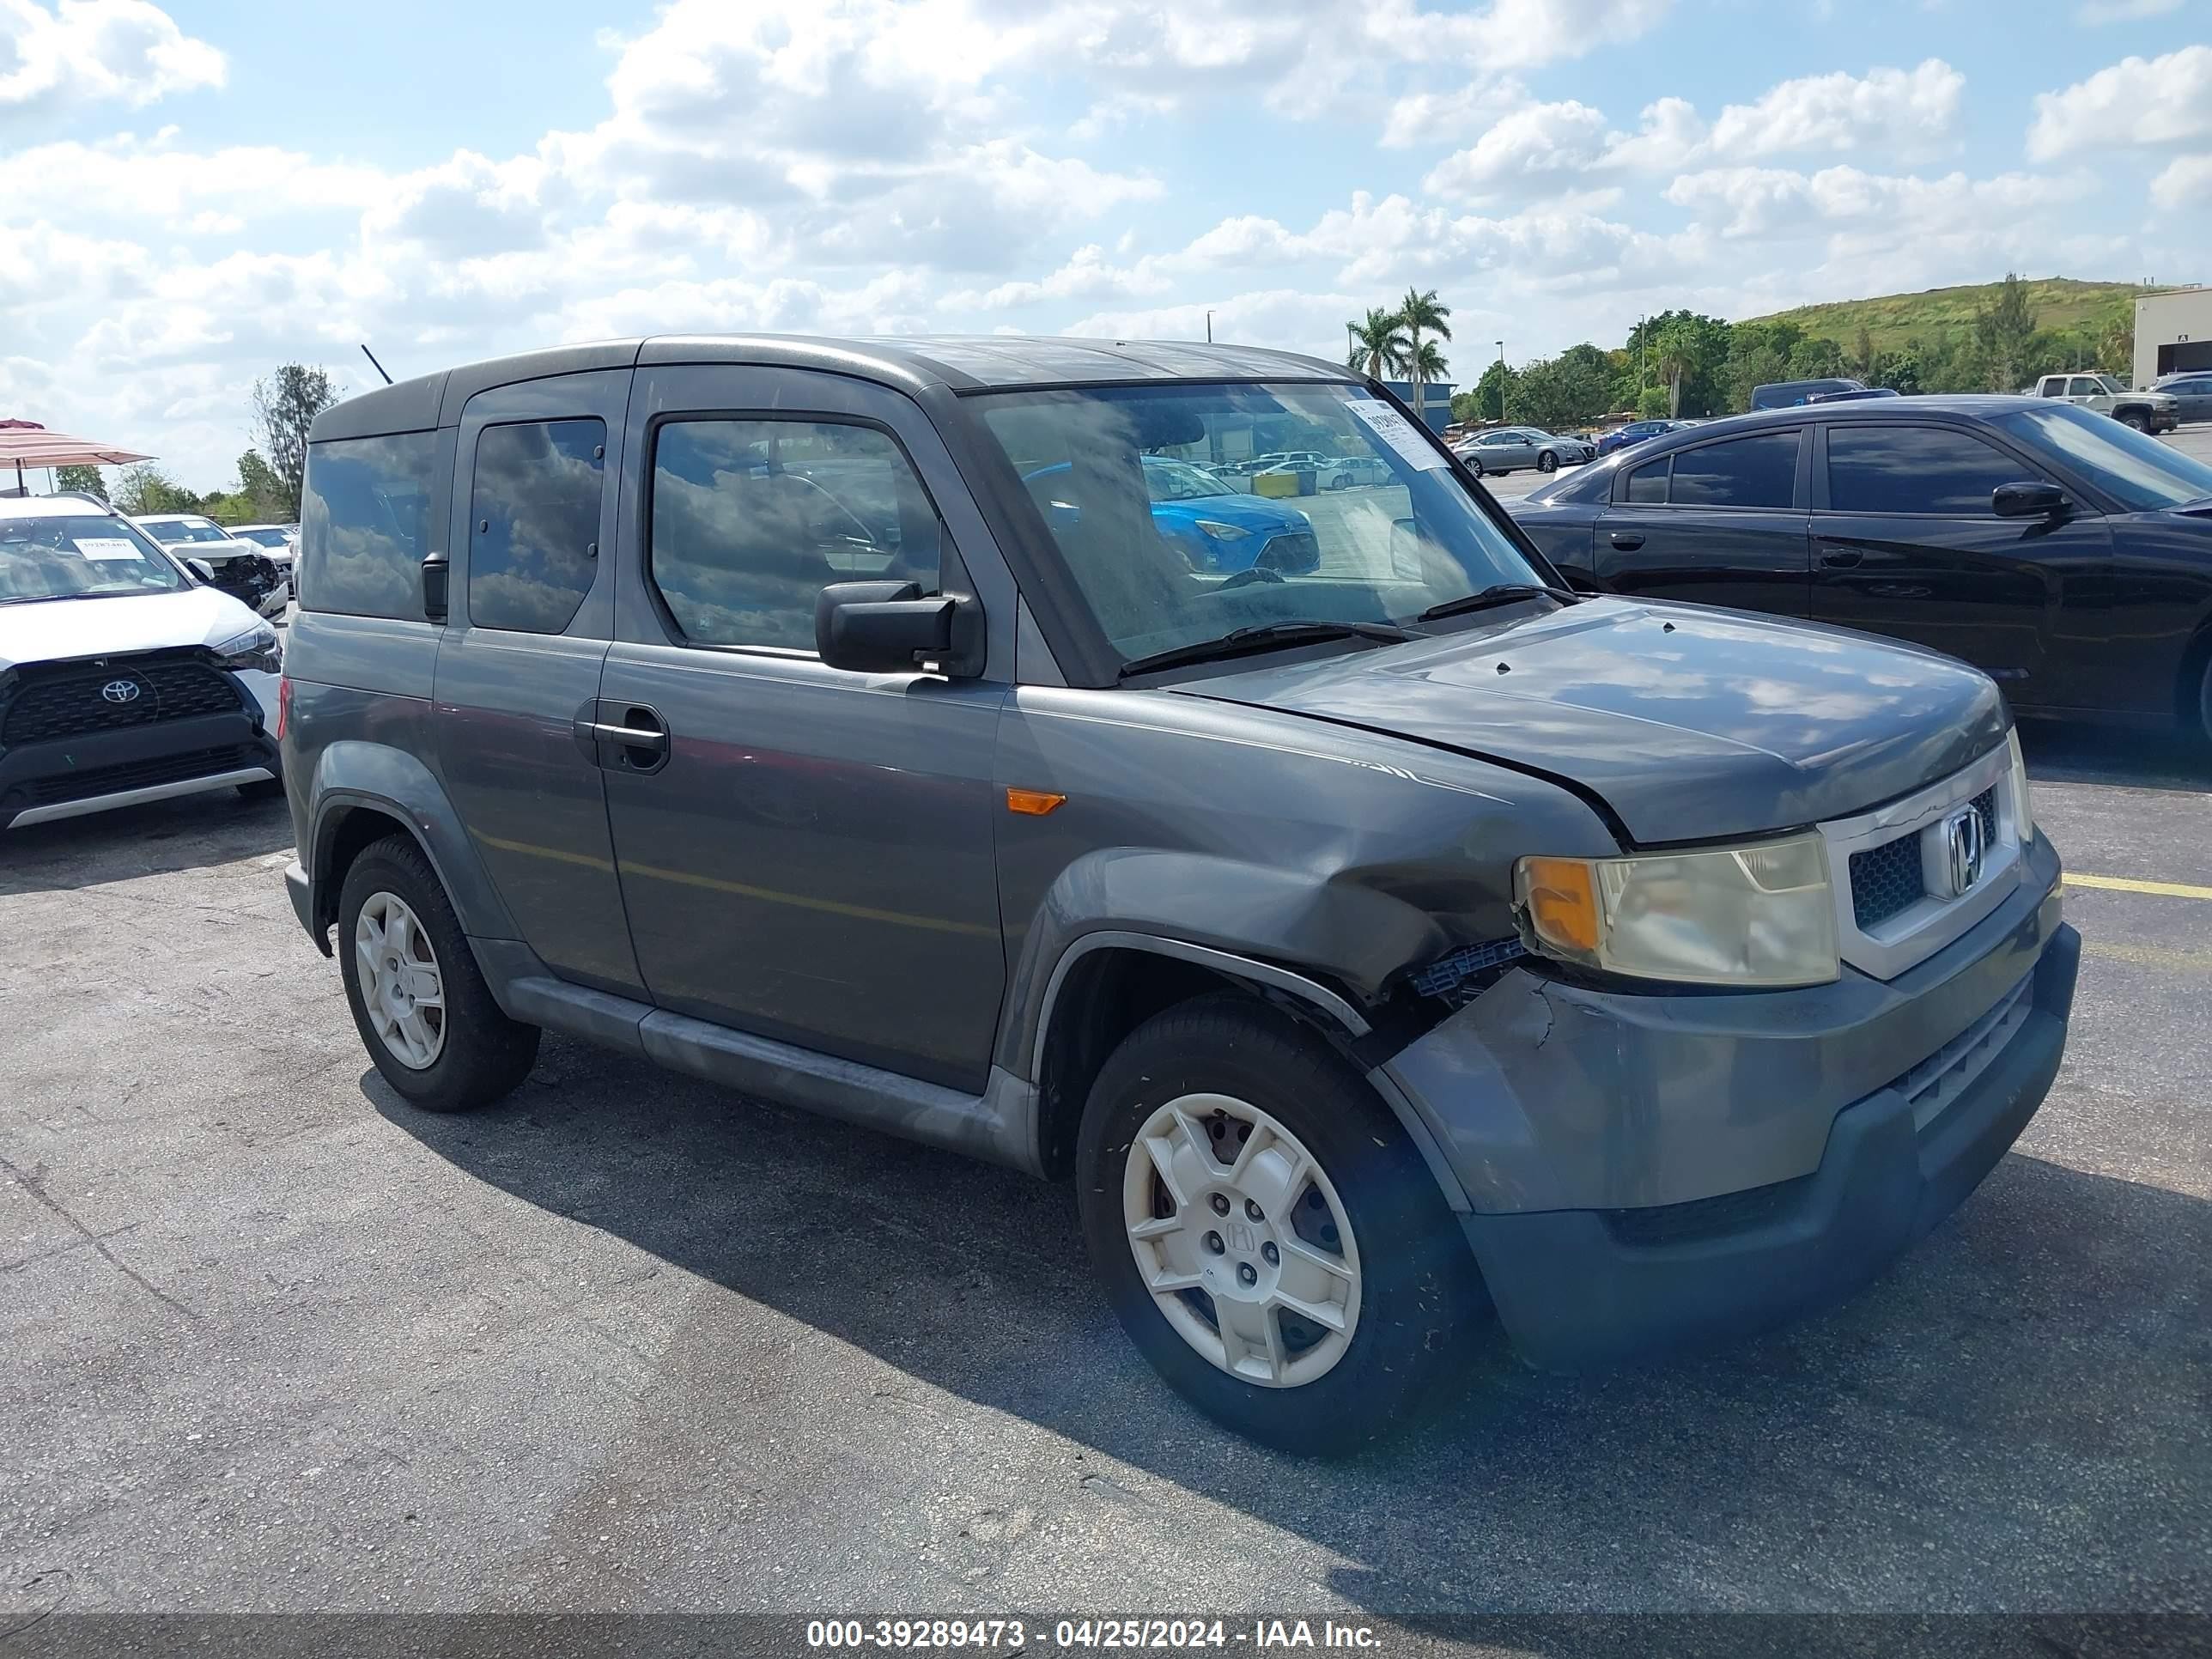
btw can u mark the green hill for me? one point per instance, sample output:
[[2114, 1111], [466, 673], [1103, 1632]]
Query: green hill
[[2058, 302]]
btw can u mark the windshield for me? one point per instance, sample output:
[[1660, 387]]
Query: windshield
[[184, 530], [2108, 383], [79, 557], [1179, 481], [2137, 470], [1379, 532]]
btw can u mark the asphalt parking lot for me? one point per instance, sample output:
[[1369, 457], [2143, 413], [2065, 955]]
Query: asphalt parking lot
[[269, 1340]]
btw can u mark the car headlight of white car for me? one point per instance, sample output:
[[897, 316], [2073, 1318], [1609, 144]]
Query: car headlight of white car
[[257, 647], [1758, 916]]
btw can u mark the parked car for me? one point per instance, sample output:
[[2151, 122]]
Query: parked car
[[1346, 471], [242, 570], [1215, 527], [2146, 411], [279, 544], [2060, 552], [1635, 432], [1510, 448], [1374, 948], [1788, 394], [1855, 392], [2192, 393], [121, 681]]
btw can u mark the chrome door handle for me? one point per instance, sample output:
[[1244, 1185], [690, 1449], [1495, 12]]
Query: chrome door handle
[[630, 737]]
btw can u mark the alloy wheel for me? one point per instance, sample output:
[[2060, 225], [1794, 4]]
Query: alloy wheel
[[1242, 1240], [401, 986]]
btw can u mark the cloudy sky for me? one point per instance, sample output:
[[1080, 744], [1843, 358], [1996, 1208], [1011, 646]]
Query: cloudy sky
[[192, 193]]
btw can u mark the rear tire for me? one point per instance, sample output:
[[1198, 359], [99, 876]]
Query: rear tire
[[1305, 1282], [425, 1015]]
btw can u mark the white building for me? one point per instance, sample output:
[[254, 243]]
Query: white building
[[2173, 331]]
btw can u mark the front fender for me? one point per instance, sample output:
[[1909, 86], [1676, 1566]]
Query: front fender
[[350, 776], [1286, 918]]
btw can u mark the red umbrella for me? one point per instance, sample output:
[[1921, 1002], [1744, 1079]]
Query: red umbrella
[[28, 443]]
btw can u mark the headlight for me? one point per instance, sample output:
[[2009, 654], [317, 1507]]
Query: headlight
[[2023, 809], [258, 648], [1756, 916], [1220, 532]]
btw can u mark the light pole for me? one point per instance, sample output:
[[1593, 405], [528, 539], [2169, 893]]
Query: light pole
[[1501, 373], [1209, 328]]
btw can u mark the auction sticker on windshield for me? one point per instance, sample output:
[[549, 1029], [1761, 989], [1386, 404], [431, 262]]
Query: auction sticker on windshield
[[1396, 430], [108, 547]]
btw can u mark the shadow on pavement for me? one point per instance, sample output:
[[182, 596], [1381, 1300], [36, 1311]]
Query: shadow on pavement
[[188, 833], [2139, 760], [2014, 1415]]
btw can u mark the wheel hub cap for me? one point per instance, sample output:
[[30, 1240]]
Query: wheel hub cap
[[401, 986], [1241, 1238]]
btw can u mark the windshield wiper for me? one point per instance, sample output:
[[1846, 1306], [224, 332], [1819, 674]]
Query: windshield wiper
[[1495, 593], [1265, 636], [45, 599]]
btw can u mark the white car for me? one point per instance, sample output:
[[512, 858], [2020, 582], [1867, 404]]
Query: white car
[[281, 542], [121, 680], [245, 569]]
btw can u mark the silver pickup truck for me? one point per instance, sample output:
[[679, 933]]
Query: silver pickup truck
[[1391, 943], [2146, 411]]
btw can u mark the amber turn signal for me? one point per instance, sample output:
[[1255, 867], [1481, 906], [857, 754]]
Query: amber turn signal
[[1036, 803], [1561, 898]]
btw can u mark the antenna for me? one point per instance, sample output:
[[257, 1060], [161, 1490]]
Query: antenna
[[378, 366]]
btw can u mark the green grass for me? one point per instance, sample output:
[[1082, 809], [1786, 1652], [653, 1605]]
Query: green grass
[[2059, 303]]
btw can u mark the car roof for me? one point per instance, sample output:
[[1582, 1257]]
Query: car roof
[[54, 507], [961, 363]]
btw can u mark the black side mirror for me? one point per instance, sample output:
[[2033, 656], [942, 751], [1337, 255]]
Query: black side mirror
[[437, 573], [2030, 499], [882, 628], [202, 571]]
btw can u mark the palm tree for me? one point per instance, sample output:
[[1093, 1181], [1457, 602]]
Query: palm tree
[[1673, 357], [1378, 345], [1420, 313], [1427, 365]]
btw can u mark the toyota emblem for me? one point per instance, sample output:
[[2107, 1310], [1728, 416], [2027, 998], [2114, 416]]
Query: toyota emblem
[[121, 691]]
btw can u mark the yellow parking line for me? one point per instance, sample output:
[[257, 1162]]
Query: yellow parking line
[[2123, 884], [2150, 955]]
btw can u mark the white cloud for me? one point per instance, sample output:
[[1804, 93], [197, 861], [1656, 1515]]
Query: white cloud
[[2137, 103], [1756, 202], [2098, 12], [2186, 182], [79, 51], [1908, 113]]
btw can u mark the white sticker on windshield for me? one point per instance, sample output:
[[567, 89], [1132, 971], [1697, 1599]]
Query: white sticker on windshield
[[1396, 430], [108, 547]]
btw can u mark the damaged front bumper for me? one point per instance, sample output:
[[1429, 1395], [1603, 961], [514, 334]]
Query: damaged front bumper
[[1648, 1171]]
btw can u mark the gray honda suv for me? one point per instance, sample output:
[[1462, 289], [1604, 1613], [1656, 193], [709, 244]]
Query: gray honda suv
[[1385, 939]]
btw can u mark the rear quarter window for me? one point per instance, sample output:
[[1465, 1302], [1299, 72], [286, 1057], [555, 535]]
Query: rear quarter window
[[364, 524]]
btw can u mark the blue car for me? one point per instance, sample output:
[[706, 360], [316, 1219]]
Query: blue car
[[1217, 528], [1634, 432]]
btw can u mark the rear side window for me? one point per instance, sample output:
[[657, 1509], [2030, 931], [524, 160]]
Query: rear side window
[[1648, 483], [534, 523], [751, 520], [1915, 469], [364, 524], [1761, 471]]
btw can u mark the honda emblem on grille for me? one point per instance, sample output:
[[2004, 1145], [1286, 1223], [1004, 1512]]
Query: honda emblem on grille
[[1965, 841], [121, 691]]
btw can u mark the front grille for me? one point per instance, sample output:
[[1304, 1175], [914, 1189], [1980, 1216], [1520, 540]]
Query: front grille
[[1293, 553], [141, 774], [72, 705], [1985, 809], [1885, 881], [1941, 1079], [1705, 1218]]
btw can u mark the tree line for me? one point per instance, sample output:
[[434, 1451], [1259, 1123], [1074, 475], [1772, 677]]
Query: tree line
[[269, 473], [1684, 363]]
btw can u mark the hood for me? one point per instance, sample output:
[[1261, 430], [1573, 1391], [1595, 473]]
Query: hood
[[60, 630], [1253, 512], [1688, 723]]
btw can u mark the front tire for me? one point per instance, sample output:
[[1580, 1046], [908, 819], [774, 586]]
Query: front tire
[[1547, 462], [1269, 1237], [2135, 419], [428, 1019]]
